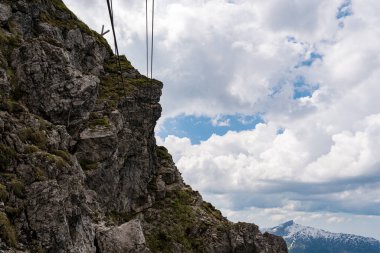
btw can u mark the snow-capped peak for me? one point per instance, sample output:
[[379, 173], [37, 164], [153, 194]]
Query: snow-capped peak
[[291, 229], [304, 239]]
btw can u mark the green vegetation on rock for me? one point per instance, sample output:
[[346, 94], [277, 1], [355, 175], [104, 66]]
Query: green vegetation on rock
[[40, 174], [7, 232], [29, 149], [13, 212], [63, 154], [112, 87], [8, 42], [71, 22], [11, 106], [98, 120], [87, 164], [112, 66], [17, 187], [57, 160], [34, 136], [119, 218], [3, 193], [163, 153], [6, 156], [212, 210], [176, 220]]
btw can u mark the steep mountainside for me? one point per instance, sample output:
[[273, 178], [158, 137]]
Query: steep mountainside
[[79, 167], [302, 239]]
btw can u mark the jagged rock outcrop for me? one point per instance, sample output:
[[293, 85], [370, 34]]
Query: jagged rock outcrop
[[79, 167]]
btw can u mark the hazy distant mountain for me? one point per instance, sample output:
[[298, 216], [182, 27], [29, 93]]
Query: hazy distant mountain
[[302, 239]]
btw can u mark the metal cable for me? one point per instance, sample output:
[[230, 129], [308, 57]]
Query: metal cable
[[151, 50], [147, 38], [110, 11]]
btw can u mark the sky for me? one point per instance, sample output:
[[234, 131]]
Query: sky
[[271, 108]]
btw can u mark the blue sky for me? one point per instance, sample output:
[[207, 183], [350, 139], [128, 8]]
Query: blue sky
[[201, 128], [270, 108]]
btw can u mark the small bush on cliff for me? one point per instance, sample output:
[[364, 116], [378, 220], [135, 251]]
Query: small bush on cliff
[[57, 160], [163, 153], [29, 149], [7, 232], [87, 164], [11, 106], [96, 121], [17, 187], [34, 136], [13, 212], [39, 174], [6, 156], [3, 193], [64, 154], [112, 88], [176, 221]]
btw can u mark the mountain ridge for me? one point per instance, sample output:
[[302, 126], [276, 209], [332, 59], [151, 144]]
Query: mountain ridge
[[301, 239]]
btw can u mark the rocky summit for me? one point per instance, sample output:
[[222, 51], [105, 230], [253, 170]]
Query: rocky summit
[[79, 167]]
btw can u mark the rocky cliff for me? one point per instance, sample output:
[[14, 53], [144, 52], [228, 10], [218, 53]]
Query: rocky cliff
[[79, 167]]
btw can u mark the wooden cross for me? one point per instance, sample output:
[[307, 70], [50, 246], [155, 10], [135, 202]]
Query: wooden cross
[[104, 32]]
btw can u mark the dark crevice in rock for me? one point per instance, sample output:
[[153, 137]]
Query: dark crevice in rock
[[97, 249]]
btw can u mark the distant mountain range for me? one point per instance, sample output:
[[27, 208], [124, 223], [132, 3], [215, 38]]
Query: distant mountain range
[[303, 239]]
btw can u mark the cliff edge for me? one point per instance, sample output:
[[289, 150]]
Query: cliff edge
[[79, 167]]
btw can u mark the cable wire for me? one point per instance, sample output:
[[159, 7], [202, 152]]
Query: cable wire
[[151, 50], [110, 11], [147, 38]]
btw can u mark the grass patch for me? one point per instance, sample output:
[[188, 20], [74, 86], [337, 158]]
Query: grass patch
[[11, 106], [119, 218], [60, 6], [8, 42], [13, 212], [87, 164], [70, 23], [30, 149], [37, 247], [39, 174], [212, 210], [7, 232], [59, 161], [112, 65], [18, 188], [8, 176], [98, 120], [7, 155], [34, 136], [175, 222], [112, 88], [163, 153], [3, 193], [13, 80], [64, 154]]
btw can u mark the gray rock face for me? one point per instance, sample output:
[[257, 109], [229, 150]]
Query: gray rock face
[[5, 12], [51, 86], [123, 152], [79, 167], [128, 237]]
